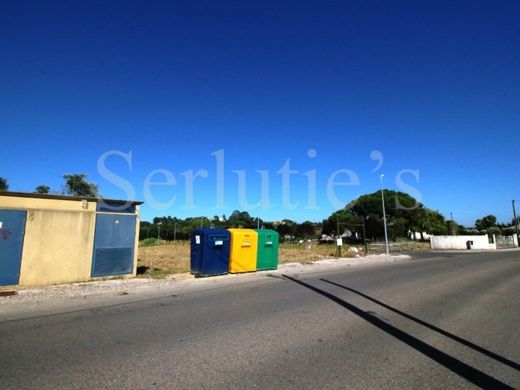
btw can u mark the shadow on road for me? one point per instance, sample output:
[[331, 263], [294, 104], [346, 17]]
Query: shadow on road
[[457, 366], [460, 340]]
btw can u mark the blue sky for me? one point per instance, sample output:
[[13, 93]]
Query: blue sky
[[433, 86]]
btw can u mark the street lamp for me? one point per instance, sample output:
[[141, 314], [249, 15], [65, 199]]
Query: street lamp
[[384, 214]]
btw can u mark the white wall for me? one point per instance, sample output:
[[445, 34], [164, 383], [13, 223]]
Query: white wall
[[417, 235], [460, 242]]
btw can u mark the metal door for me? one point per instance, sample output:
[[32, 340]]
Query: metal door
[[114, 245], [12, 230]]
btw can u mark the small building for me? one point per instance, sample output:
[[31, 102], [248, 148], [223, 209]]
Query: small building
[[51, 239]]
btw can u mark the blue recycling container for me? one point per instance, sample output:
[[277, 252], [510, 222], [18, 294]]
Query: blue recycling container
[[209, 252]]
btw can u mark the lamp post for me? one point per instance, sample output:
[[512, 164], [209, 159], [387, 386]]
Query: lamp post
[[384, 214]]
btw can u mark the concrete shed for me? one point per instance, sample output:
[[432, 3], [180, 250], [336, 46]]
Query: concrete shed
[[50, 239]]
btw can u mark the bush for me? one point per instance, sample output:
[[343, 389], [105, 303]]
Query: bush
[[149, 242]]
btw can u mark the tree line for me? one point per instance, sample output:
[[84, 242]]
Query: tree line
[[74, 185], [172, 228], [363, 216]]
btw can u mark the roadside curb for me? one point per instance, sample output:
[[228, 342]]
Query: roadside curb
[[86, 293]]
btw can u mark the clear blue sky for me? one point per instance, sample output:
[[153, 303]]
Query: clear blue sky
[[433, 86]]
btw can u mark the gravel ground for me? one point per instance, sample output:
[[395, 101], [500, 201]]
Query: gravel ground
[[125, 286]]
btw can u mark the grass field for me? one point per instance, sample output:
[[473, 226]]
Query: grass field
[[168, 258]]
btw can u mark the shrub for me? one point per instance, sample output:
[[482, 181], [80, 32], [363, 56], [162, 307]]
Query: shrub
[[149, 242]]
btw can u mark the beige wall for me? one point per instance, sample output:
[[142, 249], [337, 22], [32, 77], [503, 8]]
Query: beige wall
[[58, 247], [59, 240], [19, 203]]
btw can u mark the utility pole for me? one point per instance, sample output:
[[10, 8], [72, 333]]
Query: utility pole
[[515, 220], [384, 214], [365, 237], [453, 231], [159, 231], [338, 247], [174, 231]]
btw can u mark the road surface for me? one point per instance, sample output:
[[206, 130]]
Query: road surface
[[438, 321]]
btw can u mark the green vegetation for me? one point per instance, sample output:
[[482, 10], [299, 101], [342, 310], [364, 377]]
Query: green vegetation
[[42, 189], [487, 222], [149, 242], [403, 212], [4, 186], [77, 185], [173, 229]]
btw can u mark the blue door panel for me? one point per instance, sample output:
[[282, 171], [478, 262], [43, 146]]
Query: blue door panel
[[12, 232], [115, 231], [114, 261], [114, 245]]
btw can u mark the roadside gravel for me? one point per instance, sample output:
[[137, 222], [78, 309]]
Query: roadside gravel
[[121, 287]]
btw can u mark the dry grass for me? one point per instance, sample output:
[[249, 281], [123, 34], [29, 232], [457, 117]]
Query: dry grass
[[168, 258], [307, 252], [163, 259], [171, 258]]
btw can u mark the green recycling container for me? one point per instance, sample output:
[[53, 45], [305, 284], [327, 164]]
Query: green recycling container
[[268, 245]]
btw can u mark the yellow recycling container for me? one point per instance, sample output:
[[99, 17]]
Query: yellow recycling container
[[244, 248]]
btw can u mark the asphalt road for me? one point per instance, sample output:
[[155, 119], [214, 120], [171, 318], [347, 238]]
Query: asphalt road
[[440, 321]]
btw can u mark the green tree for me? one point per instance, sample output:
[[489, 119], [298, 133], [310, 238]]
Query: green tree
[[241, 218], [402, 213], [4, 186], [486, 222], [430, 221], [286, 228], [305, 230], [342, 220], [77, 185], [42, 189], [145, 230]]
